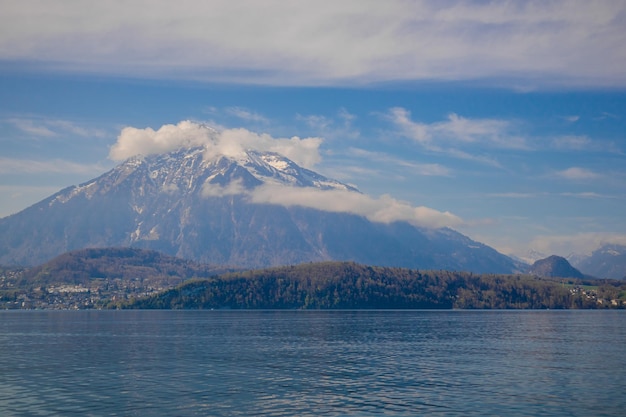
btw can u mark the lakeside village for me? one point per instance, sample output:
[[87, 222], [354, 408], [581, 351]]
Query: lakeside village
[[107, 293], [101, 294]]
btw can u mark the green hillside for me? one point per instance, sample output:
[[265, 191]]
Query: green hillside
[[340, 285]]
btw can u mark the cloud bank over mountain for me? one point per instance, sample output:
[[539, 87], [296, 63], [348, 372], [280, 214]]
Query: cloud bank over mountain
[[384, 209], [305, 152], [229, 142]]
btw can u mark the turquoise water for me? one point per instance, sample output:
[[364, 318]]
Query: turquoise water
[[298, 363]]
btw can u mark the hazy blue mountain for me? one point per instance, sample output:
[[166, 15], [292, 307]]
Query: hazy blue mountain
[[609, 261], [554, 266], [188, 205]]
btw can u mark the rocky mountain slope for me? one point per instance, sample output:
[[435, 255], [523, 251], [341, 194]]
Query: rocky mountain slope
[[201, 207]]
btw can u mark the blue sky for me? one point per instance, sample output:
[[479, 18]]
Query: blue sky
[[510, 116]]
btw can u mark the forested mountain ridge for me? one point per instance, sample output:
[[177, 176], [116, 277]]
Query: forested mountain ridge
[[341, 285], [85, 265], [135, 278]]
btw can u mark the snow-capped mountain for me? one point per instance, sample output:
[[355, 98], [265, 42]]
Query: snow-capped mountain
[[608, 261], [201, 206], [530, 256]]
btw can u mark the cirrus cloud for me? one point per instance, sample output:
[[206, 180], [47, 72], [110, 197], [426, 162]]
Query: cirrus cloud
[[456, 130], [577, 173], [561, 42], [450, 136], [45, 127]]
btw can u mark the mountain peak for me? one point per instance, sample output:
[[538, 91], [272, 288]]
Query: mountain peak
[[554, 266], [607, 261], [192, 170], [248, 208]]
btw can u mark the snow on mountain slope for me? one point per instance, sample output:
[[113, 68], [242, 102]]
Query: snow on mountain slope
[[198, 204], [608, 261]]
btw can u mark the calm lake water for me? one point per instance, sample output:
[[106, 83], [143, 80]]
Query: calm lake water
[[306, 363]]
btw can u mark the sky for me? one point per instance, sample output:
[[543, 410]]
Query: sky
[[505, 120]]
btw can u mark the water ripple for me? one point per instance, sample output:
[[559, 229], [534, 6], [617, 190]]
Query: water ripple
[[275, 363]]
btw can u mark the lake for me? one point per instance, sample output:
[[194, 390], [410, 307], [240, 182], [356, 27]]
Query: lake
[[312, 363]]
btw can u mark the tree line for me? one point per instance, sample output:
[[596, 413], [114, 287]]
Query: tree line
[[346, 285]]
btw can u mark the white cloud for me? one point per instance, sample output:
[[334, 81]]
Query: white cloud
[[474, 130], [217, 190], [419, 132], [231, 142], [579, 243], [51, 127], [448, 136], [587, 195], [456, 130], [246, 115], [584, 143], [338, 126], [75, 129], [541, 241], [30, 127], [133, 141], [577, 173], [517, 195], [485, 160], [316, 121], [573, 42], [606, 115], [415, 168], [346, 116], [584, 194], [305, 152], [571, 142], [384, 209]]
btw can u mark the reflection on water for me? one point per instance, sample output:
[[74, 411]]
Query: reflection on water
[[275, 363]]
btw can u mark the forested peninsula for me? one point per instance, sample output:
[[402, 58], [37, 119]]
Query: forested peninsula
[[347, 285]]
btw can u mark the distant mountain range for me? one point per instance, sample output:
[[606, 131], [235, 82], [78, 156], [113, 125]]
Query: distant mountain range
[[608, 261], [200, 207]]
